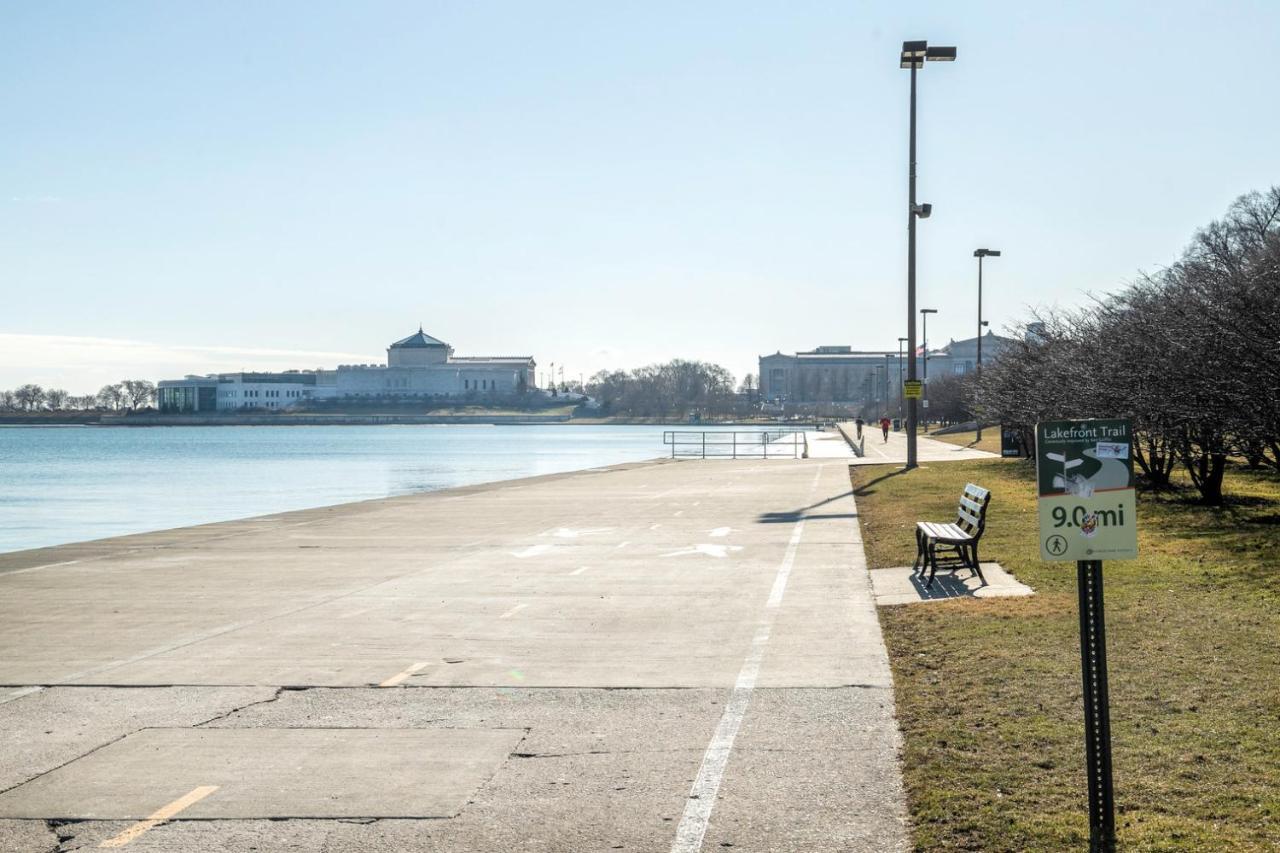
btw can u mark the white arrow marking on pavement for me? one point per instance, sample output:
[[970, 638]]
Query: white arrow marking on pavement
[[513, 611], [721, 531], [531, 551], [570, 533], [708, 549]]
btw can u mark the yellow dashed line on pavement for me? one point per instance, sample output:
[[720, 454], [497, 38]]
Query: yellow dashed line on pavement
[[160, 816], [402, 676]]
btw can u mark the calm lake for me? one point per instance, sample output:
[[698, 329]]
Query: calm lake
[[70, 484]]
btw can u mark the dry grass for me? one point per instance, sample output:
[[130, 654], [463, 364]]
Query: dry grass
[[988, 691], [990, 439]]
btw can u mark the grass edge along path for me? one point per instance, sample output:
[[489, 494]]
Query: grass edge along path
[[988, 690]]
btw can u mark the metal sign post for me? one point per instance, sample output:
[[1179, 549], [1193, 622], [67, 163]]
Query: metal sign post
[[1084, 474], [1097, 708]]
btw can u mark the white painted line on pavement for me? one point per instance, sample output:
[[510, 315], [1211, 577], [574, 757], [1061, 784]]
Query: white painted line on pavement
[[403, 676], [702, 797], [571, 533], [709, 549], [679, 512], [513, 611], [579, 570], [38, 568], [160, 816], [623, 544], [721, 531], [532, 551], [20, 692], [654, 526]]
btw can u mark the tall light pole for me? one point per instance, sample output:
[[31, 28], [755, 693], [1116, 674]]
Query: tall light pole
[[980, 254], [914, 55], [924, 348], [901, 341]]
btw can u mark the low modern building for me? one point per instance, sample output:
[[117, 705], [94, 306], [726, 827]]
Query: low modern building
[[841, 374], [418, 366]]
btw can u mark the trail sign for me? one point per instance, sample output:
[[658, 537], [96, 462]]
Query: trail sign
[[1084, 474], [1010, 442], [912, 389]]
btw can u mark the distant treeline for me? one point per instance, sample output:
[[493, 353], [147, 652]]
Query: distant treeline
[[675, 388], [126, 395]]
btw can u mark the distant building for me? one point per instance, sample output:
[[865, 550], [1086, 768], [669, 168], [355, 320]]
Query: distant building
[[841, 374], [418, 366]]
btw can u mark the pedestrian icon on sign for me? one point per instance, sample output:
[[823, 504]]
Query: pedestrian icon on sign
[[1055, 545]]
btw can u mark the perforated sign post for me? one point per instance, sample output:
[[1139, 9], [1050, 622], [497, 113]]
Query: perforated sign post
[[1084, 471]]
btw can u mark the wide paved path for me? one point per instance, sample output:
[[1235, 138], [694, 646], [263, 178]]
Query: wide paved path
[[666, 656]]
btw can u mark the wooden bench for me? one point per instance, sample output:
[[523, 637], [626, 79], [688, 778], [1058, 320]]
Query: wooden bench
[[958, 540]]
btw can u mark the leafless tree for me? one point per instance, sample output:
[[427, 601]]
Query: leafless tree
[[56, 398], [111, 396], [29, 397], [138, 393], [1191, 354]]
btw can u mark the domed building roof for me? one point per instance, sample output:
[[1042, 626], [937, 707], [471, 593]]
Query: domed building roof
[[418, 340]]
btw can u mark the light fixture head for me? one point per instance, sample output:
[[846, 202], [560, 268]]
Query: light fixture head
[[940, 54], [924, 211], [986, 253], [928, 310]]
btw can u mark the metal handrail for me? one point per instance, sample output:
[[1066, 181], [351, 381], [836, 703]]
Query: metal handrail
[[779, 443]]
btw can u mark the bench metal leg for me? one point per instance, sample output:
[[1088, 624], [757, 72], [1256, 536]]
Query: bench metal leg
[[918, 564], [933, 563], [977, 567]]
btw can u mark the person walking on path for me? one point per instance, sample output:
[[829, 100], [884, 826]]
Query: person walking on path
[[885, 423], [858, 422]]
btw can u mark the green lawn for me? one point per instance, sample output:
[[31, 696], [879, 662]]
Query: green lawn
[[988, 691]]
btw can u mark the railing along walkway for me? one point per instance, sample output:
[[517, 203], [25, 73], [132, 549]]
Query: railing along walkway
[[780, 443]]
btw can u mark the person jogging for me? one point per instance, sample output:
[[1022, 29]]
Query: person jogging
[[858, 422], [885, 423]]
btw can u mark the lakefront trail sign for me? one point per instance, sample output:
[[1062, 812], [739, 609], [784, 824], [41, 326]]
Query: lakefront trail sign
[[1088, 513], [1084, 474]]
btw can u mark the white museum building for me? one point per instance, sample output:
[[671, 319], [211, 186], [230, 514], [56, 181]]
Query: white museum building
[[418, 366]]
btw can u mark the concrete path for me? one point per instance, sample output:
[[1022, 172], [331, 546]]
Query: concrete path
[[879, 452], [828, 444], [666, 656]]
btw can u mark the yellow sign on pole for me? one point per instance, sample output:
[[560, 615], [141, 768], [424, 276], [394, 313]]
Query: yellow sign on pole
[[912, 389]]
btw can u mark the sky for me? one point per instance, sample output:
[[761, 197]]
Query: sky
[[190, 187]]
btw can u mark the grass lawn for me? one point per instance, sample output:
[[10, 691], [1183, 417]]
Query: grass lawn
[[988, 691], [990, 439]]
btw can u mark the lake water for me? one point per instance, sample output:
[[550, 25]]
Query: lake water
[[70, 484]]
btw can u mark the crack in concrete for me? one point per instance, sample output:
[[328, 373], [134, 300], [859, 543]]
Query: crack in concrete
[[272, 698]]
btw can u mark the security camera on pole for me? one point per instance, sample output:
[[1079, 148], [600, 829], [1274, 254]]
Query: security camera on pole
[[914, 55]]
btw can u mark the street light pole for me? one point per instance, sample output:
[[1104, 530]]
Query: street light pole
[[924, 348], [980, 254], [901, 341], [914, 55]]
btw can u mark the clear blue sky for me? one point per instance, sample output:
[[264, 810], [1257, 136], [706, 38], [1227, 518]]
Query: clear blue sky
[[192, 186]]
